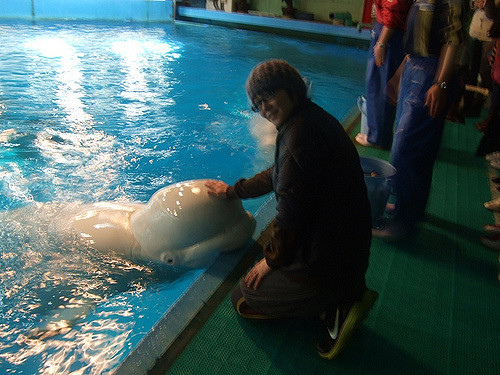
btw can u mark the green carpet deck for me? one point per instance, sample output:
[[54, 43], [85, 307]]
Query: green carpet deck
[[438, 311]]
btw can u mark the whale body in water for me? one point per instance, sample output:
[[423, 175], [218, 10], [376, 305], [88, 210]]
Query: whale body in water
[[181, 225]]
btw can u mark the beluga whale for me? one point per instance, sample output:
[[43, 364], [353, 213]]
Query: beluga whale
[[181, 225]]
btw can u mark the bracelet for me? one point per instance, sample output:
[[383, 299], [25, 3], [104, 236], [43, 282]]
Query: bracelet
[[381, 45]]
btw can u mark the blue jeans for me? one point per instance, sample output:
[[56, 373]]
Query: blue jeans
[[417, 138], [379, 113]]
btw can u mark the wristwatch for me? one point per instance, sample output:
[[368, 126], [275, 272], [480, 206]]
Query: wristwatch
[[442, 85]]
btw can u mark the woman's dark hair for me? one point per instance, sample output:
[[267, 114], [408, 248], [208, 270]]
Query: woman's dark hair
[[273, 75]]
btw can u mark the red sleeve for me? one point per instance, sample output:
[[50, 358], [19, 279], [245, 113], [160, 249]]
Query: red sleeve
[[392, 14]]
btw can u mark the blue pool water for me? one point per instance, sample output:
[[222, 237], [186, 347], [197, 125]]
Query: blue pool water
[[113, 112]]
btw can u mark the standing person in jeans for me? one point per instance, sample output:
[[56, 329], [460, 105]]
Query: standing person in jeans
[[316, 259], [429, 84], [386, 54], [490, 127]]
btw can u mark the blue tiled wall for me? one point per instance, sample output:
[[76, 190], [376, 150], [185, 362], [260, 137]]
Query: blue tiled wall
[[113, 10]]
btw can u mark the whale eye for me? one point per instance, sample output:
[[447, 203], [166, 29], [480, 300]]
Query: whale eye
[[170, 261]]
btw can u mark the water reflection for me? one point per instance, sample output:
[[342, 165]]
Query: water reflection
[[93, 154], [139, 58], [63, 306], [67, 292]]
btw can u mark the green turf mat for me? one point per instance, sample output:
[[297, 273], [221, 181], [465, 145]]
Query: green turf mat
[[438, 310]]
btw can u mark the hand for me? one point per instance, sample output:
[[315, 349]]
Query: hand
[[254, 277], [479, 4], [435, 99], [379, 54], [217, 188]]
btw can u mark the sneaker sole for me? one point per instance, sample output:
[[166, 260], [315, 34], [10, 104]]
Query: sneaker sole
[[252, 316], [357, 315]]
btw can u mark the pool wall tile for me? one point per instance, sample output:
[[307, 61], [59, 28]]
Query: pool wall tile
[[15, 9], [110, 10]]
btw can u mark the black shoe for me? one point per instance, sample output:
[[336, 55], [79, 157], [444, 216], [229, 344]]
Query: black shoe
[[338, 327], [329, 331], [393, 231]]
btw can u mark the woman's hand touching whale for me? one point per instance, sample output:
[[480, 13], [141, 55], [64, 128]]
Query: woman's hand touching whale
[[217, 188]]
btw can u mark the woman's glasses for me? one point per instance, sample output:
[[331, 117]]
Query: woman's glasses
[[265, 97]]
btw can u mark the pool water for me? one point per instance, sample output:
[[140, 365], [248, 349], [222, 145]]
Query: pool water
[[113, 112]]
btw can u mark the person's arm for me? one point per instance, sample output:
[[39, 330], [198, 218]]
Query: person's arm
[[278, 251], [436, 95], [392, 14], [452, 24], [380, 48], [295, 193], [392, 88], [256, 186]]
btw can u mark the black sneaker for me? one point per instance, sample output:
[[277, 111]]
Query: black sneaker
[[339, 326], [329, 331]]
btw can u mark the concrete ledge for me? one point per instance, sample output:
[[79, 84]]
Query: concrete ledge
[[295, 28]]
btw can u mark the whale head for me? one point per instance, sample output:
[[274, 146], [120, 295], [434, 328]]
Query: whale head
[[183, 226]]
